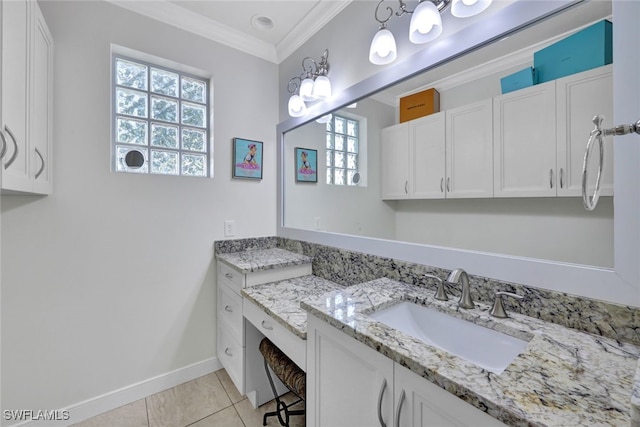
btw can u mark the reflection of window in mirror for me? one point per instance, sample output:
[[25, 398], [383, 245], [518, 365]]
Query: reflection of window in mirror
[[345, 150]]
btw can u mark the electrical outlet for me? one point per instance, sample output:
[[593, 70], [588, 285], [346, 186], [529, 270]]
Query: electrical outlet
[[229, 228]]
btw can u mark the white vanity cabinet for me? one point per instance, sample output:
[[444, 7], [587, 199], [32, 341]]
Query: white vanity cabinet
[[579, 98], [235, 338], [524, 124], [413, 159], [27, 94], [352, 385]]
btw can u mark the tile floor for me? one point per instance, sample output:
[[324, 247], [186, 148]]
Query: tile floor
[[208, 401]]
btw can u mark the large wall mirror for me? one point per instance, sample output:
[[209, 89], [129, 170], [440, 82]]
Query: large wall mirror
[[535, 240]]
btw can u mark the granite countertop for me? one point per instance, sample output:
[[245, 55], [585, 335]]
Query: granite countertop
[[281, 300], [262, 259], [562, 378]]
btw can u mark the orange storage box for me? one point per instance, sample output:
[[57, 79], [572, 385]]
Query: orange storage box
[[419, 104]]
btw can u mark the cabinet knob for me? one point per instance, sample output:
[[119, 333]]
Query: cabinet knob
[[228, 308], [561, 178], [266, 326], [227, 351], [406, 187], [551, 178], [442, 185], [448, 180]]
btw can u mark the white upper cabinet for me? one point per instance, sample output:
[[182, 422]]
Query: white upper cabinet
[[469, 151], [524, 124], [15, 163], [27, 64], [395, 165], [579, 98], [41, 100], [427, 156]]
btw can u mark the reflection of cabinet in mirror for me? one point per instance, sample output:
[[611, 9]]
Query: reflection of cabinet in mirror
[[526, 143], [443, 155], [541, 132]]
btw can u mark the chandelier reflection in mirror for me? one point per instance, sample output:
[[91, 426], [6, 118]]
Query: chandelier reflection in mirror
[[426, 24], [312, 85]]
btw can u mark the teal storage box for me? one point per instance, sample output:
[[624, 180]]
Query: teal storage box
[[519, 80], [589, 48]]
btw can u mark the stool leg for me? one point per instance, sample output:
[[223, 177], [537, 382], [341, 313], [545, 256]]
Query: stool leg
[[280, 405]]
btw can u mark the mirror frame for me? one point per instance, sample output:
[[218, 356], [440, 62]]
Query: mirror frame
[[620, 284]]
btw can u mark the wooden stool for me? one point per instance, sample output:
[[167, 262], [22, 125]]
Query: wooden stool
[[291, 376]]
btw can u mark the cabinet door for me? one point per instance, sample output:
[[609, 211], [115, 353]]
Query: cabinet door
[[41, 92], [525, 142], [421, 403], [395, 152], [580, 97], [15, 27], [348, 384], [427, 157], [470, 151]]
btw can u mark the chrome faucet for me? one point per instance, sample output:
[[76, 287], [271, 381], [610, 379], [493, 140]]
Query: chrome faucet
[[458, 276]]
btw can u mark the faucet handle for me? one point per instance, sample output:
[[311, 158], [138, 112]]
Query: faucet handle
[[498, 309], [441, 294]]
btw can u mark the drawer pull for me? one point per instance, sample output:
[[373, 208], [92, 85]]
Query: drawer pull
[[266, 326], [227, 351], [228, 276], [228, 308], [400, 402]]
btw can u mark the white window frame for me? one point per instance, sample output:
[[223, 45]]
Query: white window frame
[[170, 66], [362, 149]]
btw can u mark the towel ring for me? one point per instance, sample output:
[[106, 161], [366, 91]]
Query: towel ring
[[590, 202]]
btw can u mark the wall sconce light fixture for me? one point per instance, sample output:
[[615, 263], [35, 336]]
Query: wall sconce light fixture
[[426, 24], [310, 86]]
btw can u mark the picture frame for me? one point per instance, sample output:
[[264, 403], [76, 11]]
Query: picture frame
[[306, 163], [247, 159]]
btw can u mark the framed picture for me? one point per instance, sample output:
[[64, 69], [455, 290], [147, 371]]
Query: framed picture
[[247, 158], [306, 165]]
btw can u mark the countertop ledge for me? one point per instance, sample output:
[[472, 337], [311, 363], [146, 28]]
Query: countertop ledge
[[253, 260], [281, 300], [563, 378]]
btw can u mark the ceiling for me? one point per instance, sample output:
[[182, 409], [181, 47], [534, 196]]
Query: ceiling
[[271, 30]]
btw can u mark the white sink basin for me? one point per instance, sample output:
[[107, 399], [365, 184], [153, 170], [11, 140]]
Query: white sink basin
[[489, 349]]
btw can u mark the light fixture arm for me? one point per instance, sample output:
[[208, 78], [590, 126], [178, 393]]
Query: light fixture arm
[[402, 9]]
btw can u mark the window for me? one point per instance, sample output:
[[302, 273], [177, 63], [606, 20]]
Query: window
[[160, 120], [342, 150]]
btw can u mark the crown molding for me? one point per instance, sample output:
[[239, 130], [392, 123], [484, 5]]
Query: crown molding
[[187, 20], [176, 16], [318, 17]]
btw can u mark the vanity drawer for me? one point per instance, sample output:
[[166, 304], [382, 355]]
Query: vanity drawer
[[231, 355], [232, 277], [230, 312], [292, 345]]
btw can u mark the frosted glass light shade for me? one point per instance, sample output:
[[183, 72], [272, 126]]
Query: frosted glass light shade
[[297, 107], [467, 8], [322, 88], [383, 48], [426, 23], [325, 118], [306, 90]]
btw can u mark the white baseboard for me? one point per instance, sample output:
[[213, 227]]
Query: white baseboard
[[91, 407]]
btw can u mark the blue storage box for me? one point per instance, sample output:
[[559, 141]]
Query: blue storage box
[[588, 48], [521, 79]]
